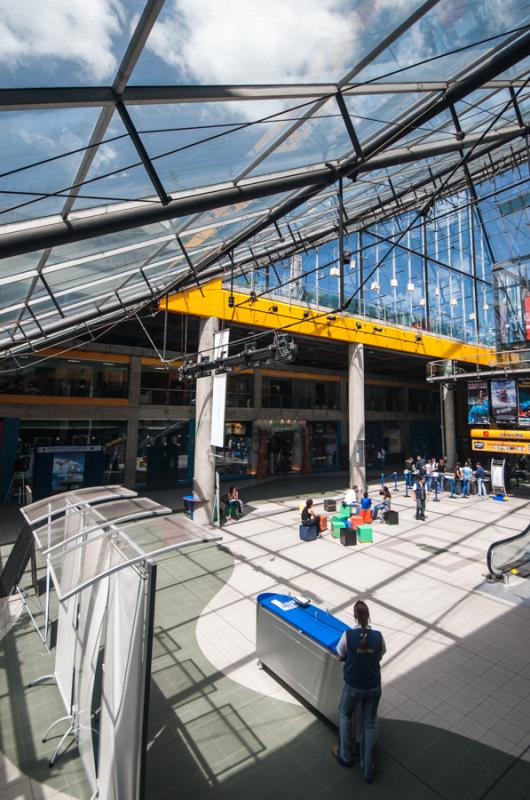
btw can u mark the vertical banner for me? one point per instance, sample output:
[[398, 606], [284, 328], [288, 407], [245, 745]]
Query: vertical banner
[[527, 316], [218, 410], [120, 733], [504, 401], [219, 391], [478, 404], [523, 395]]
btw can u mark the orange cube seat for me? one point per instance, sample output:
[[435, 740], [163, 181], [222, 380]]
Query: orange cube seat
[[366, 514], [357, 520]]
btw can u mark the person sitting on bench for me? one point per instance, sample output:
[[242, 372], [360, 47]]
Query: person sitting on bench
[[309, 518], [384, 506], [234, 501]]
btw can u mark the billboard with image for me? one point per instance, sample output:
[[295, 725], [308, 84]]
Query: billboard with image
[[523, 406], [478, 404], [504, 401]]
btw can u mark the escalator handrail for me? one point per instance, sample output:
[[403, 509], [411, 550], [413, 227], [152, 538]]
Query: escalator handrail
[[509, 539]]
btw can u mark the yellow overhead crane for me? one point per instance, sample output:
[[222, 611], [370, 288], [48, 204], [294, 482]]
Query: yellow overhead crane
[[263, 312]]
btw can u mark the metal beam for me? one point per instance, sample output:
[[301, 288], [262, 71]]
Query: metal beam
[[90, 224], [97, 96], [349, 125], [142, 153]]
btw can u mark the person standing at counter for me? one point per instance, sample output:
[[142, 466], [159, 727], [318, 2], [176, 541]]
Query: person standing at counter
[[361, 649]]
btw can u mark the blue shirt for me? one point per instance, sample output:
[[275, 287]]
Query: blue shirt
[[468, 473], [366, 502]]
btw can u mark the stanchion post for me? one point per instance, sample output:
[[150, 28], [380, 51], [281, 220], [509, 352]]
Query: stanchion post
[[395, 481], [452, 486], [436, 490], [406, 483], [382, 479]]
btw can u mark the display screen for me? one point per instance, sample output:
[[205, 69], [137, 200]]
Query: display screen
[[504, 401], [478, 404]]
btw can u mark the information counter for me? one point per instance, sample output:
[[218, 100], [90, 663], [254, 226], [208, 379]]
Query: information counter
[[298, 644]]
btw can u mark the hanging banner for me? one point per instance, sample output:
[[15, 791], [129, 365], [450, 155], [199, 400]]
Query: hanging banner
[[515, 448], [499, 433], [478, 404], [504, 401], [523, 397], [527, 315]]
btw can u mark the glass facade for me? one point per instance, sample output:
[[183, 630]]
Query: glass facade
[[292, 392], [162, 456], [67, 377], [111, 435]]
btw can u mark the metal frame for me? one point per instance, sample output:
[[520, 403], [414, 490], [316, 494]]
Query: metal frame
[[299, 186]]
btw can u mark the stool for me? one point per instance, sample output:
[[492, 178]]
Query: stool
[[364, 534], [307, 532], [391, 517], [356, 521], [348, 537], [337, 527], [366, 515], [330, 504], [323, 522]]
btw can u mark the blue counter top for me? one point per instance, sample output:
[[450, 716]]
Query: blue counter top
[[324, 628]]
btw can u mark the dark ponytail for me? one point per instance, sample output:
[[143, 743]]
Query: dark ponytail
[[362, 615]]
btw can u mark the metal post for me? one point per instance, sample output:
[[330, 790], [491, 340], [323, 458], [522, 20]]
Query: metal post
[[394, 475], [406, 473], [341, 245], [382, 479]]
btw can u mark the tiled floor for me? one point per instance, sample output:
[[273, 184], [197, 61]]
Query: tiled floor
[[456, 700]]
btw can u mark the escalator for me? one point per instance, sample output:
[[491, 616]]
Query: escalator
[[510, 556]]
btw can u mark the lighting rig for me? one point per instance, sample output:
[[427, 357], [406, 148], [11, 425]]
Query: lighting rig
[[283, 349]]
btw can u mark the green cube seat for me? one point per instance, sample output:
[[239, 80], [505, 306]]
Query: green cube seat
[[364, 533]]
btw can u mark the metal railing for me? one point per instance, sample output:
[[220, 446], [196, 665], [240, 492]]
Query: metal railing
[[503, 362]]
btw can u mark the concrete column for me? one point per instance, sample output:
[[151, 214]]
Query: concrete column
[[258, 388], [131, 444], [356, 414], [204, 466], [135, 381], [448, 426]]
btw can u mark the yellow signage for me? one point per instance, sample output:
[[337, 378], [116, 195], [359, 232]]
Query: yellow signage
[[516, 448], [497, 433]]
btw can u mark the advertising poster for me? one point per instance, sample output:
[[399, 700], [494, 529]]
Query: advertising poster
[[504, 401], [478, 404], [68, 470], [524, 403], [527, 316]]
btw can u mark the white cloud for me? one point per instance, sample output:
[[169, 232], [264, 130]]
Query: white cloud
[[245, 41], [80, 30]]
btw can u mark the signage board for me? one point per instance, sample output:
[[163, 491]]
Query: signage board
[[478, 404], [499, 433], [504, 401], [523, 403], [515, 448]]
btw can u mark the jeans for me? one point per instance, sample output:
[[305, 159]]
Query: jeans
[[481, 487], [420, 508], [377, 509], [467, 487], [369, 699]]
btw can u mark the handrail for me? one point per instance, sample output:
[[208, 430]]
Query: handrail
[[518, 559]]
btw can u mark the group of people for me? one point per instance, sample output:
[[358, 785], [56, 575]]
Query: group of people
[[434, 471], [356, 501]]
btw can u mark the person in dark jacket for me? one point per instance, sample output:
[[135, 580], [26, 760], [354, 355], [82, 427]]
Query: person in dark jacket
[[309, 517], [361, 649]]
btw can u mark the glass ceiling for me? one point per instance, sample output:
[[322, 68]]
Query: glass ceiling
[[145, 144]]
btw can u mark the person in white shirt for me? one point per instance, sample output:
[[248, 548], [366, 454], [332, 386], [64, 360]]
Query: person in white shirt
[[351, 498]]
